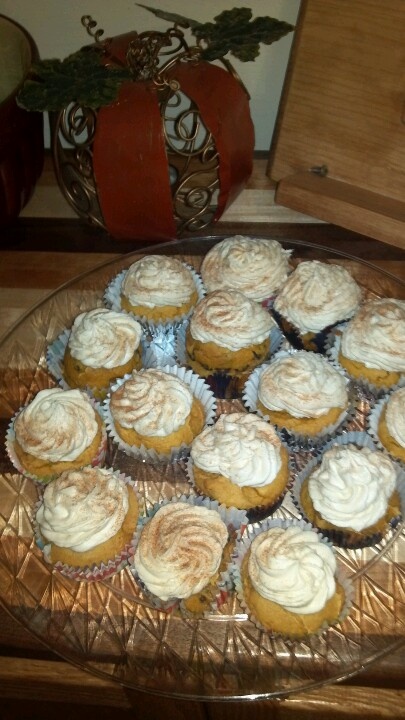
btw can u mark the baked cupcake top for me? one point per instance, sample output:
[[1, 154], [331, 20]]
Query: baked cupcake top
[[180, 549], [104, 338], [292, 567], [254, 266], [157, 281], [57, 425], [230, 319], [375, 336], [152, 402], [395, 416], [351, 486], [241, 447], [83, 508], [304, 384], [317, 295]]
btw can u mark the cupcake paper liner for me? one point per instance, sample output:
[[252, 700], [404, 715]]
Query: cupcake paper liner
[[224, 385], [295, 440], [373, 391], [242, 547], [89, 573], [54, 359], [336, 536], [236, 522], [112, 300], [253, 514], [315, 342], [372, 423], [199, 389], [98, 459]]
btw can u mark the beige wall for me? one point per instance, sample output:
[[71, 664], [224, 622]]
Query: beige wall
[[56, 28]]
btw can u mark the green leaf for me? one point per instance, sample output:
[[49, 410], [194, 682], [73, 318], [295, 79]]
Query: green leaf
[[81, 78], [172, 17]]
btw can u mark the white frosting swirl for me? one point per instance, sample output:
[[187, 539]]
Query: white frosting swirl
[[58, 425], [104, 338], [351, 486], [152, 402], [304, 384], [83, 508], [376, 335], [230, 319], [254, 266], [395, 416], [180, 550], [317, 295], [241, 447], [158, 280], [293, 568]]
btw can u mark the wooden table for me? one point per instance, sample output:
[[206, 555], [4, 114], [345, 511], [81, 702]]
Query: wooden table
[[35, 258]]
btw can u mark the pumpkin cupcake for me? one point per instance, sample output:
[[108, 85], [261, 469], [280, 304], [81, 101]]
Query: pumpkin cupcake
[[314, 298], [372, 345], [351, 494], [58, 430], [86, 521], [257, 267], [301, 392], [156, 413], [157, 289], [101, 346], [386, 424], [286, 576], [240, 462]]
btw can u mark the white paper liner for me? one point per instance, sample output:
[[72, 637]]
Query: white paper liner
[[199, 389], [242, 546], [337, 536], [56, 352], [112, 300], [236, 522], [10, 439], [364, 383], [257, 512], [372, 424], [297, 440], [94, 572]]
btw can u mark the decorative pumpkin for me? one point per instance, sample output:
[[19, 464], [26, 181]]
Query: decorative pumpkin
[[173, 147]]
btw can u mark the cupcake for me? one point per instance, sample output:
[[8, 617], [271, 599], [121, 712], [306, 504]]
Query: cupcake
[[351, 495], [301, 392], [158, 289], [387, 423], [158, 411], [314, 298], [241, 462], [102, 345], [228, 335], [180, 554], [372, 345], [254, 266], [86, 521], [287, 578], [58, 430]]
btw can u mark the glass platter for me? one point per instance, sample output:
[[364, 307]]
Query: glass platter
[[108, 627]]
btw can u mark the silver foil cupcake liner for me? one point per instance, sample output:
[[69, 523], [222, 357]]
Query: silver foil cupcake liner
[[98, 459], [335, 535], [236, 522], [88, 573], [199, 389], [299, 441], [242, 546], [224, 385], [112, 300]]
